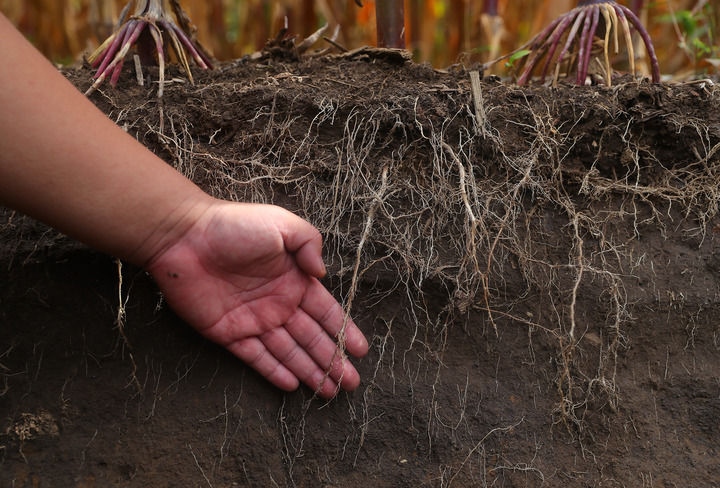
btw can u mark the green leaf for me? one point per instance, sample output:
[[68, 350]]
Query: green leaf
[[515, 56]]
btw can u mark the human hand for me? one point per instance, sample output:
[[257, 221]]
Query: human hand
[[246, 277]]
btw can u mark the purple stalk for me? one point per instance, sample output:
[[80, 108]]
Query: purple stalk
[[571, 36], [635, 21], [585, 3], [107, 55], [116, 73], [554, 42], [200, 58], [582, 54], [586, 46], [131, 35], [535, 53], [157, 35]]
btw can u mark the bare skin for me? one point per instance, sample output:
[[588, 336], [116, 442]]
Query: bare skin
[[245, 276]]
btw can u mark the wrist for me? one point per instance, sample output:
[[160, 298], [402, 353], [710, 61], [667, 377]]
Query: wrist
[[169, 227]]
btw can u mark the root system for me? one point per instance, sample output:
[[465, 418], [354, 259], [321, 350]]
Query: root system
[[462, 221]]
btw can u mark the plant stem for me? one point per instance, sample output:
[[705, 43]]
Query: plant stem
[[490, 7], [390, 18]]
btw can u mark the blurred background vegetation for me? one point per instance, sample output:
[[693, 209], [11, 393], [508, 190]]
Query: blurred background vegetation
[[442, 32]]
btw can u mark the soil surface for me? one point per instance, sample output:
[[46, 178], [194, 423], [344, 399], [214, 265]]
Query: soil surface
[[537, 270]]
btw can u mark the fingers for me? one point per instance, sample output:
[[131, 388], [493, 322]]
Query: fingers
[[325, 353], [285, 363], [254, 353], [319, 304], [302, 351], [322, 375]]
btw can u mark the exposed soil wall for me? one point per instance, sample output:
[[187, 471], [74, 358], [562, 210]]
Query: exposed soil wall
[[536, 269]]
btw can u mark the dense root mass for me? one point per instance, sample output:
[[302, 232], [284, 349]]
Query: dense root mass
[[536, 269]]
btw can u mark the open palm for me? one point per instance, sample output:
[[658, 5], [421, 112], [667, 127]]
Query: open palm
[[246, 277]]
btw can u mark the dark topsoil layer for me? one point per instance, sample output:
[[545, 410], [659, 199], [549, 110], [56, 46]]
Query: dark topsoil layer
[[540, 289]]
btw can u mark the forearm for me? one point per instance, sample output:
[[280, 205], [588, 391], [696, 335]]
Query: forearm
[[64, 162]]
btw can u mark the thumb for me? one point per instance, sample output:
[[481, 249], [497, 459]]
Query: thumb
[[304, 241]]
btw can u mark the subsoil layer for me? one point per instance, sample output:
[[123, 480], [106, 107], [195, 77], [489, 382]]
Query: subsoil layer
[[537, 271]]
